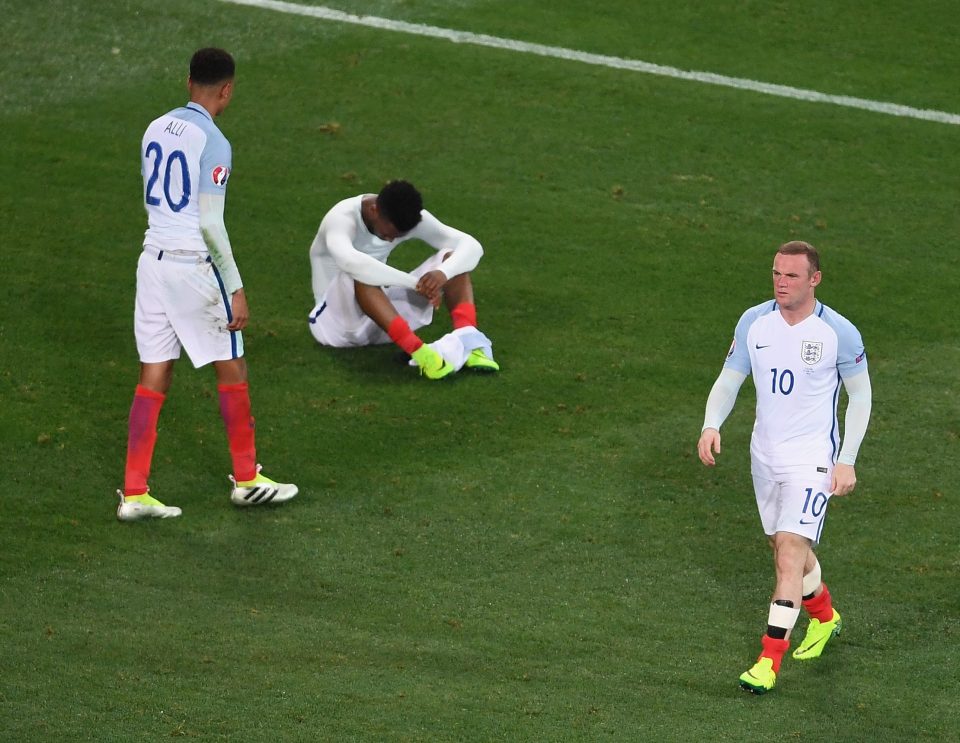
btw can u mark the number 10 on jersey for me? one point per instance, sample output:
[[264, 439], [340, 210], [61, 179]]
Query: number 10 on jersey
[[781, 381]]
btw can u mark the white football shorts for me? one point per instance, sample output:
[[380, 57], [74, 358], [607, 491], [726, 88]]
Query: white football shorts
[[792, 498], [338, 320], [181, 303]]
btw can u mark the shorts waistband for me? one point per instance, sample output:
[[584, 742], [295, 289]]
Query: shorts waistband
[[180, 256]]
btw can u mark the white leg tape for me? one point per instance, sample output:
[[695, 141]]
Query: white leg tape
[[782, 616], [811, 581]]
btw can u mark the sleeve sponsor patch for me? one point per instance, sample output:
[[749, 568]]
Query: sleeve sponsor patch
[[219, 175]]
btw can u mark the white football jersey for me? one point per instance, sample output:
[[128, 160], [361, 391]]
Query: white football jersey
[[797, 371], [183, 153], [343, 243]]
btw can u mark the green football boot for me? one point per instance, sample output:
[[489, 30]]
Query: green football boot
[[478, 361], [817, 637], [761, 678], [431, 364]]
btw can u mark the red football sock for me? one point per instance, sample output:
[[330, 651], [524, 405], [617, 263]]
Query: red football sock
[[820, 607], [464, 315], [400, 333], [235, 409], [141, 437], [774, 649]]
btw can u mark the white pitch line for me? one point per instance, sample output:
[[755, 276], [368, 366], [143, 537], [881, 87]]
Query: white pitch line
[[619, 63]]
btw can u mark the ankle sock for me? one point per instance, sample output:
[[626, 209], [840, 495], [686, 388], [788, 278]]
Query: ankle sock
[[400, 333], [774, 649], [820, 607], [464, 315]]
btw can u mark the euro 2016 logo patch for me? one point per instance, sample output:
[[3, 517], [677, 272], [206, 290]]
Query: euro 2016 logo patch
[[811, 351], [220, 175]]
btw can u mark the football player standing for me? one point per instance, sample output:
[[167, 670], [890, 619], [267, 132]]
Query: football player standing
[[799, 352], [189, 292]]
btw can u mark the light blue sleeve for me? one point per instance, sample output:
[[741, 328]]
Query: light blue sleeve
[[851, 355], [216, 160], [738, 357]]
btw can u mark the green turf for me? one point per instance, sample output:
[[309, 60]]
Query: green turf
[[533, 556]]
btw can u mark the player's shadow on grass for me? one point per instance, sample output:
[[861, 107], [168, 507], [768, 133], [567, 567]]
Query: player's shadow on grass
[[384, 363]]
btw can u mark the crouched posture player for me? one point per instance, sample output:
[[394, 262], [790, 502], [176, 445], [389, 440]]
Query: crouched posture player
[[799, 351], [189, 292], [361, 301]]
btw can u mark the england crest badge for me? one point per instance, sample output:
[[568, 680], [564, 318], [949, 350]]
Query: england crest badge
[[811, 351]]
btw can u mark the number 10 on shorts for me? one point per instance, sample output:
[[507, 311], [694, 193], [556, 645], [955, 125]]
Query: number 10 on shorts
[[814, 503]]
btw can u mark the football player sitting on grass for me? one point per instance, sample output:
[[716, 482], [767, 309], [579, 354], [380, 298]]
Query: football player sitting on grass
[[362, 301]]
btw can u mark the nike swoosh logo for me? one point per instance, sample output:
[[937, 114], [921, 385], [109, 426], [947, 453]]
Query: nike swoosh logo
[[814, 646], [807, 523], [758, 346]]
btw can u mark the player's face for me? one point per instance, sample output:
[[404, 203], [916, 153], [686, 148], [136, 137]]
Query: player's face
[[383, 227], [793, 284]]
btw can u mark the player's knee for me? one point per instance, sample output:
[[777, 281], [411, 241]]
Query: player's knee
[[790, 553], [231, 371]]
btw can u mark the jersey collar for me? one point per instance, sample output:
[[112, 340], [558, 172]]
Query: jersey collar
[[818, 308], [193, 106]]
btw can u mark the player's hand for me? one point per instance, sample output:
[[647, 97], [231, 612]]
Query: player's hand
[[238, 305], [708, 444], [844, 479], [431, 284]]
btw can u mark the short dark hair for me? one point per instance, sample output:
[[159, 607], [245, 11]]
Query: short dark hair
[[210, 66], [401, 203], [798, 247]]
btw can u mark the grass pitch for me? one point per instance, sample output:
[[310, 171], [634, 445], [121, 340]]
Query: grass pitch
[[534, 556]]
